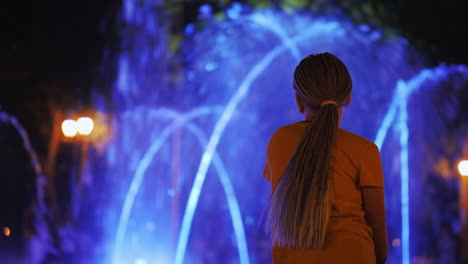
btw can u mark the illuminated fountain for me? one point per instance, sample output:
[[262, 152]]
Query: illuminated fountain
[[35, 227], [232, 89]]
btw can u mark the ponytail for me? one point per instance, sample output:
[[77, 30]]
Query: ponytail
[[300, 205]]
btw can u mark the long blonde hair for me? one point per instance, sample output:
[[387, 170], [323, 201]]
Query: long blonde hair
[[300, 204]]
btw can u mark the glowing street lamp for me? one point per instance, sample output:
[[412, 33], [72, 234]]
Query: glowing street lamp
[[69, 128], [85, 125], [79, 133], [463, 170], [463, 167]]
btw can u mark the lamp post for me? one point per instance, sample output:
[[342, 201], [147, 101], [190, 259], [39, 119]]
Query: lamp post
[[80, 133], [79, 130]]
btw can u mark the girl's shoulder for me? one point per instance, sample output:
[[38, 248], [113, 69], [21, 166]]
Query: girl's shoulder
[[288, 133], [290, 129], [351, 139]]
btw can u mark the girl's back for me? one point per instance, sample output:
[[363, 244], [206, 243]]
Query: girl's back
[[355, 163]]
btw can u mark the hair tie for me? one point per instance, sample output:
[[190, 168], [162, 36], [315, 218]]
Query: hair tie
[[328, 102]]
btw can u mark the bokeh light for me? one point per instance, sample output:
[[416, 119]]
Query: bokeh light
[[6, 231], [85, 125], [463, 167], [69, 128], [396, 242]]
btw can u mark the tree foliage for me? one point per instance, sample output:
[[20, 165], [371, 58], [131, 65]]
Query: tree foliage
[[432, 26]]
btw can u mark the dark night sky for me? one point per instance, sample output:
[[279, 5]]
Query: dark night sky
[[65, 40], [55, 40], [52, 51], [438, 28]]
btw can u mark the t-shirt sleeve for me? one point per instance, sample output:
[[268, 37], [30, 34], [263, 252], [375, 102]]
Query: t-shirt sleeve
[[279, 151], [370, 170]]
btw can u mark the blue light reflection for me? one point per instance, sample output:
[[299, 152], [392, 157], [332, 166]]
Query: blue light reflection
[[233, 91]]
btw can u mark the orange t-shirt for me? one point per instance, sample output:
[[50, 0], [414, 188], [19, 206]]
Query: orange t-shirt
[[355, 163]]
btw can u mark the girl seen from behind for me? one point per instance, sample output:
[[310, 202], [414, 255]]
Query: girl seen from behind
[[327, 203]]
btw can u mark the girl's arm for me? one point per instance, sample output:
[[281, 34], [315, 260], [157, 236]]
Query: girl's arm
[[373, 203]]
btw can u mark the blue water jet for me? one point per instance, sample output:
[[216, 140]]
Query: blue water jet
[[39, 243], [149, 156], [216, 135], [245, 66]]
